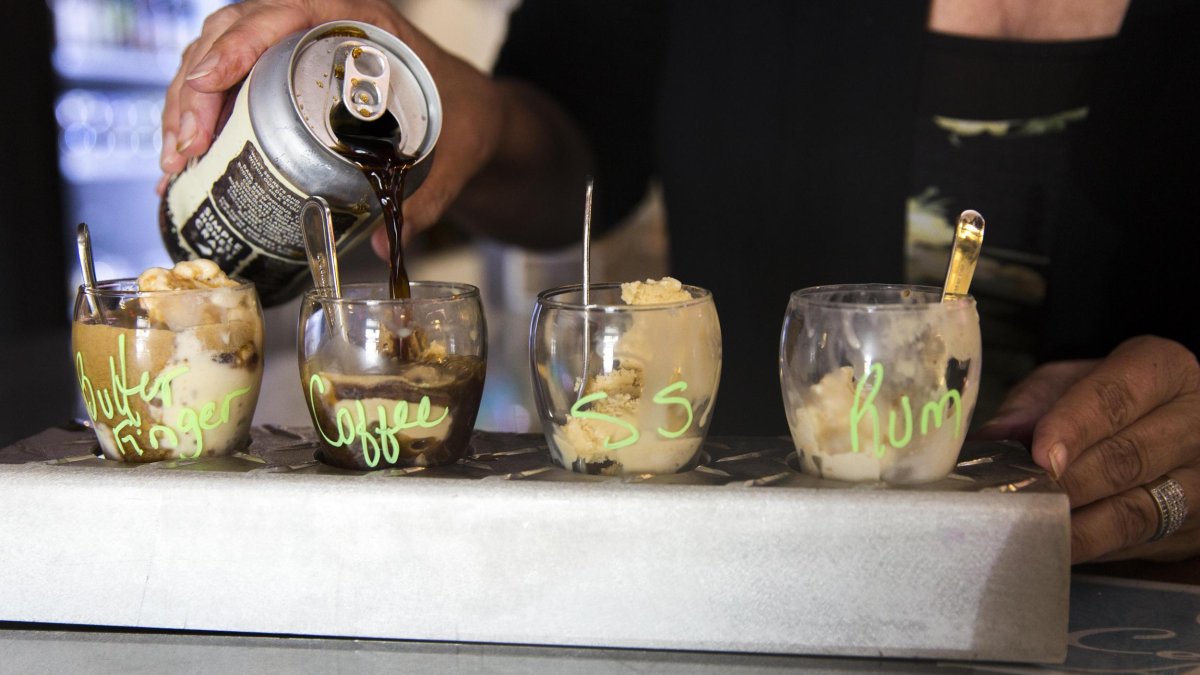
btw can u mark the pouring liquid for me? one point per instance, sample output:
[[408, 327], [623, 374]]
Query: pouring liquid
[[372, 146]]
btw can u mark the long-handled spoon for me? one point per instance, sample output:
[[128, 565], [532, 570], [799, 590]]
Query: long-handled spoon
[[316, 222], [587, 243], [964, 255], [83, 243], [587, 282]]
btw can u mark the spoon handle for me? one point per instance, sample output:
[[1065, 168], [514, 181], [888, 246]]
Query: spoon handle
[[316, 222], [587, 284], [968, 239], [83, 239], [83, 243], [587, 243]]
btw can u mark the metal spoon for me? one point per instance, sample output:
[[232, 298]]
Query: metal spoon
[[964, 255], [83, 243], [587, 282], [316, 222], [587, 243]]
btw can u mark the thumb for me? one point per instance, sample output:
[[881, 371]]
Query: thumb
[[234, 52], [1030, 399]]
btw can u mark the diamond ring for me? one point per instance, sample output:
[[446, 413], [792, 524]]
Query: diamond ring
[[1172, 505]]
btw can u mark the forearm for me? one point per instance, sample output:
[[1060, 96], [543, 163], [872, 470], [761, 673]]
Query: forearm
[[530, 191]]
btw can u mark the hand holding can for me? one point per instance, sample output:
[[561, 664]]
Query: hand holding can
[[236, 37], [239, 204]]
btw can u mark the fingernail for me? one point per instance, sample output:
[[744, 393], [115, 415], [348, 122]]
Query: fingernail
[[1058, 460], [187, 131], [168, 150], [206, 66]]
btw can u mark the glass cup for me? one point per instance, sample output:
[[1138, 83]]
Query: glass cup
[[624, 389], [393, 383], [879, 382], [168, 374]]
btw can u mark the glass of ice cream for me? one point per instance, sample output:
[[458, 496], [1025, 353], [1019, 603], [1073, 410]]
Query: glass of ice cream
[[626, 383], [879, 382], [169, 365], [393, 383]]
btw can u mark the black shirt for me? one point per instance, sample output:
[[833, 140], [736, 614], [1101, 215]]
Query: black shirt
[[791, 138]]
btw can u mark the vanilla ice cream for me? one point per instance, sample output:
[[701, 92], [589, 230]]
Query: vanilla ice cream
[[174, 370], [904, 419], [646, 411]]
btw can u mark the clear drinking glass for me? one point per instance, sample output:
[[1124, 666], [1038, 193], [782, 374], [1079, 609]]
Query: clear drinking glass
[[879, 382], [624, 389], [393, 383], [168, 374]]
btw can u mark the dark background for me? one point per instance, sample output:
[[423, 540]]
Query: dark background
[[34, 324]]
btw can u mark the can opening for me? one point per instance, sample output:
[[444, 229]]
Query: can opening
[[338, 72]]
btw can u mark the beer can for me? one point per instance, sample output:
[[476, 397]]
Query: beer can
[[239, 204]]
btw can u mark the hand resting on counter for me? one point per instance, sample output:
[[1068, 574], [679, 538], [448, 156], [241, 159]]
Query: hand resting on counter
[[1106, 429]]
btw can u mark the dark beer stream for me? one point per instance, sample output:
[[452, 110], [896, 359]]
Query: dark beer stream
[[372, 146], [450, 382]]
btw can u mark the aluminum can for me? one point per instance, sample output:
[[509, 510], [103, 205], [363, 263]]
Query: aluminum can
[[239, 204]]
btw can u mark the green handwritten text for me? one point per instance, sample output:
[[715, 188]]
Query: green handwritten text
[[662, 399], [632, 433], [864, 407], [380, 441], [113, 403], [578, 411]]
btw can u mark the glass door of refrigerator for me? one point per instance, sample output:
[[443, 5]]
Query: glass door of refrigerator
[[114, 60]]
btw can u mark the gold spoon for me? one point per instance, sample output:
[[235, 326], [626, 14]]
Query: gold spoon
[[964, 255]]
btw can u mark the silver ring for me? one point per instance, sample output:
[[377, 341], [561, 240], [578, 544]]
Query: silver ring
[[1172, 505]]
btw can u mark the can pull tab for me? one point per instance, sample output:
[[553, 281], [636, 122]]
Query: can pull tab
[[365, 84]]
